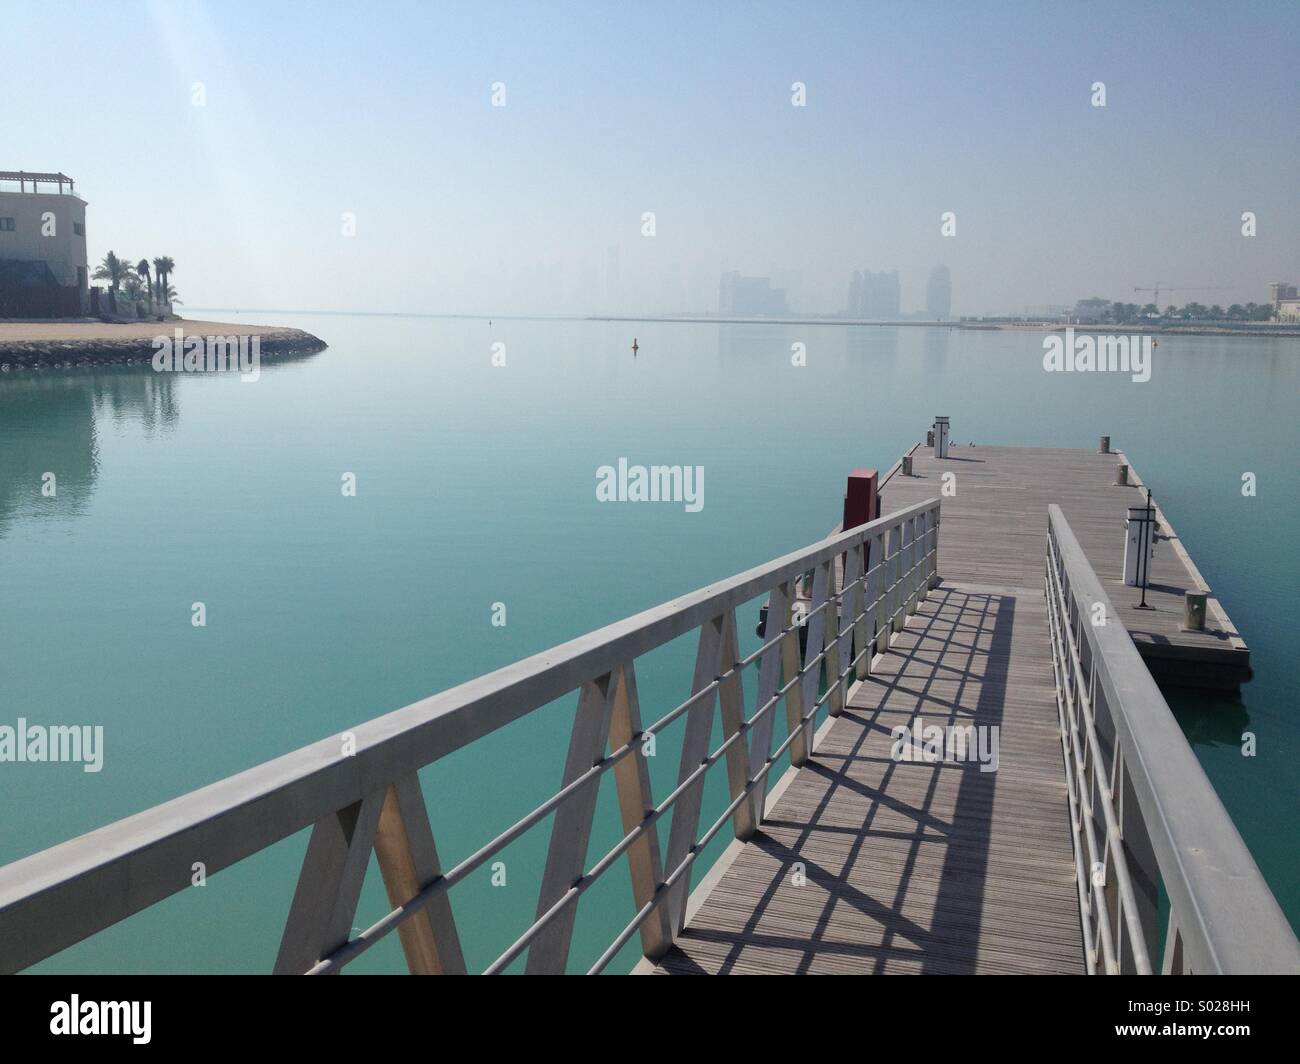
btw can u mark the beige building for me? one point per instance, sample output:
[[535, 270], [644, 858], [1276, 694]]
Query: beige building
[[1288, 310], [43, 266], [1283, 298]]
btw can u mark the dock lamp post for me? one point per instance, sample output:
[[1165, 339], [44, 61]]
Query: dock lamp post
[[1138, 545], [940, 437]]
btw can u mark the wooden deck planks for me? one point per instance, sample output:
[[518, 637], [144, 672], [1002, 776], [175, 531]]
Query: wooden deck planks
[[914, 867], [994, 528]]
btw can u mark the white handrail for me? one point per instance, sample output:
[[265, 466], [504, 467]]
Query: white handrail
[[1143, 812]]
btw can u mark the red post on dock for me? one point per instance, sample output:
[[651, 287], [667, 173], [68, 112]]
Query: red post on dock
[[861, 504], [861, 498]]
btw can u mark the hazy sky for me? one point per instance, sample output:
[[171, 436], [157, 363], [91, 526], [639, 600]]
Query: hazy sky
[[612, 110]]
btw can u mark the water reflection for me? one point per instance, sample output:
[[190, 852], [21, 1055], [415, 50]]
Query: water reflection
[[136, 394], [1209, 718], [878, 343], [936, 348], [862, 343], [48, 424], [752, 343]]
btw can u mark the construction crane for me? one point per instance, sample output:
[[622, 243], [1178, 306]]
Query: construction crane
[[1181, 288]]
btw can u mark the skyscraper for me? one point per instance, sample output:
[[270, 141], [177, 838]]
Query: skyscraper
[[855, 294], [882, 295], [938, 294], [874, 295], [750, 296]]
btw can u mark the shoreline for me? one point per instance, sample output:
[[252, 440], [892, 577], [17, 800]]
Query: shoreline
[[1262, 331], [74, 344]]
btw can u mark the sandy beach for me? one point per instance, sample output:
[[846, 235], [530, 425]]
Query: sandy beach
[[81, 342], [82, 330]]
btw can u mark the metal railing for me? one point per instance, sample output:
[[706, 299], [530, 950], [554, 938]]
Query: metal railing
[[360, 793], [24, 178], [1142, 811]]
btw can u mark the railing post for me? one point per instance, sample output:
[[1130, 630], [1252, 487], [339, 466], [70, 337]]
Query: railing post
[[913, 539], [801, 749], [779, 602], [895, 569], [923, 559], [635, 802], [731, 700], [1140, 856], [859, 621], [923, 570], [571, 829], [329, 885], [790, 666], [1173, 959], [831, 646], [709, 666], [408, 860], [936, 518], [905, 543], [878, 594]]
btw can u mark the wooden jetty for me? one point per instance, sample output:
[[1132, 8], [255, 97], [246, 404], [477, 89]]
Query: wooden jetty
[[946, 869], [913, 867], [995, 522], [982, 777]]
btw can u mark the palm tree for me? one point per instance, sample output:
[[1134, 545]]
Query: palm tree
[[142, 271], [114, 271], [162, 268], [134, 290]]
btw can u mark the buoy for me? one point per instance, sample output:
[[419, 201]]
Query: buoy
[[634, 345]]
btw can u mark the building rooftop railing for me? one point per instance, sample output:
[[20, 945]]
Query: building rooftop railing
[[25, 178]]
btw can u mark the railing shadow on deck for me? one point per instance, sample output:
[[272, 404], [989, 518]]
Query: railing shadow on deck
[[962, 828]]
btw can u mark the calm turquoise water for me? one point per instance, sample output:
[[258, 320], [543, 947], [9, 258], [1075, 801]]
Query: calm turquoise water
[[475, 485]]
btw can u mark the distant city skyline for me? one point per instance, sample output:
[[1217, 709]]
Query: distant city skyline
[[874, 295], [938, 293], [575, 161]]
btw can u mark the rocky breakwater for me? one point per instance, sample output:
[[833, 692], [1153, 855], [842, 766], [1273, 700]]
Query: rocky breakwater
[[44, 346]]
